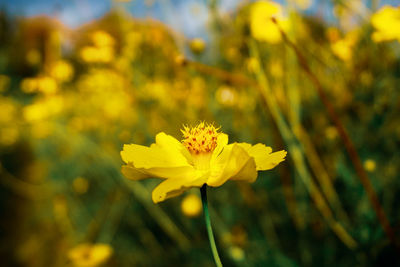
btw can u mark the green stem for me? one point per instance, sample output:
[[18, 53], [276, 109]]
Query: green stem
[[214, 250]]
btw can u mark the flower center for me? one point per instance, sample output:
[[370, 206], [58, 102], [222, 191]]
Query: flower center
[[200, 139]]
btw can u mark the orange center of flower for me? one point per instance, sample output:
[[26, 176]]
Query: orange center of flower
[[200, 139]]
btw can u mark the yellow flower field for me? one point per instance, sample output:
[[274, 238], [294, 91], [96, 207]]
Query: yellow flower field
[[200, 133]]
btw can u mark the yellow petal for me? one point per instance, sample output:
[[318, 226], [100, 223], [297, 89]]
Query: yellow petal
[[132, 173], [165, 155], [222, 141], [165, 159], [168, 142], [229, 164], [265, 160], [248, 173], [174, 187]]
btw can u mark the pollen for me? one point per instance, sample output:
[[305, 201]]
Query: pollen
[[200, 139]]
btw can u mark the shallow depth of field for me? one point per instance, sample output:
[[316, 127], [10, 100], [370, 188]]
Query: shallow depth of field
[[321, 80]]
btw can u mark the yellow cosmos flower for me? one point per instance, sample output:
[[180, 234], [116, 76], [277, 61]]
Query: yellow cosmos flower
[[102, 39], [191, 205], [387, 24], [343, 48], [62, 71], [261, 25], [197, 45], [203, 157], [370, 165], [90, 255]]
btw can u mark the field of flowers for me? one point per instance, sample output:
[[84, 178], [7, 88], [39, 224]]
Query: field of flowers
[[326, 90]]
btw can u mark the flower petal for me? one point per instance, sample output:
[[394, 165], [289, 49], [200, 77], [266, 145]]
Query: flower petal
[[248, 173], [132, 173], [165, 155], [222, 141], [229, 164], [265, 160], [168, 142], [174, 187]]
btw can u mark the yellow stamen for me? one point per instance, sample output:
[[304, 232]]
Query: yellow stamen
[[200, 139]]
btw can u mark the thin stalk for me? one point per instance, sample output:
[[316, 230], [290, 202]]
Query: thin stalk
[[348, 143], [296, 152], [214, 250]]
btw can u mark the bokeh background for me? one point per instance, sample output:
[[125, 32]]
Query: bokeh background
[[78, 79]]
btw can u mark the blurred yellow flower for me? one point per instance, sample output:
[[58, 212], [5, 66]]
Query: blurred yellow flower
[[197, 45], [236, 253], [226, 96], [28, 85], [93, 54], [102, 39], [62, 71], [386, 22], [203, 157], [191, 205], [102, 51], [343, 48], [369, 165], [252, 65], [44, 84], [90, 255], [261, 25], [43, 108], [47, 85]]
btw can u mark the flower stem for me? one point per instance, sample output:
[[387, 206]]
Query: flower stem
[[214, 250]]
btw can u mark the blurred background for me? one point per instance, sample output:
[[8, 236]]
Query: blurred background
[[78, 79]]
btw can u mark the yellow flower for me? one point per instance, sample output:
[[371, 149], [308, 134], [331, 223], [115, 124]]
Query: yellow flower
[[226, 96], [261, 25], [47, 85], [93, 54], [102, 39], [29, 85], [191, 205], [387, 24], [62, 71], [237, 253], [370, 165], [343, 48], [197, 45], [203, 157], [44, 84], [90, 255]]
